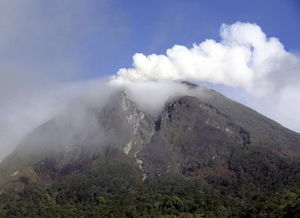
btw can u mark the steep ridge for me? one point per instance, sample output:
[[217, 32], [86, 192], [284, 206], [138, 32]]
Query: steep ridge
[[202, 141], [72, 137], [195, 138]]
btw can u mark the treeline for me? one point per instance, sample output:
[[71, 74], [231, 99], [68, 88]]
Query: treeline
[[160, 198]]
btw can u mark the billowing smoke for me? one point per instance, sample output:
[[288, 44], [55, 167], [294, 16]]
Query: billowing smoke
[[245, 57], [258, 69]]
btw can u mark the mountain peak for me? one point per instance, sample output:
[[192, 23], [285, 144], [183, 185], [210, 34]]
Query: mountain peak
[[189, 84], [118, 148]]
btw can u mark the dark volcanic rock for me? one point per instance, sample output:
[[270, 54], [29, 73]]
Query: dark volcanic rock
[[204, 137]]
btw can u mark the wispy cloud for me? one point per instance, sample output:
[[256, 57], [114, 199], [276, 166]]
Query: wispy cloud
[[43, 44], [40, 47]]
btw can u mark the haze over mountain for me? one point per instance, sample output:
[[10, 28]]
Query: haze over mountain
[[180, 138], [83, 134], [246, 65]]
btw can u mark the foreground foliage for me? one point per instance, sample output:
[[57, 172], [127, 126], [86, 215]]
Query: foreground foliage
[[121, 194]]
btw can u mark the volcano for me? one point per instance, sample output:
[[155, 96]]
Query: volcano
[[202, 155]]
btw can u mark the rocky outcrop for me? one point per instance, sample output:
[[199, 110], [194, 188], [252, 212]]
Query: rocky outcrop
[[204, 136]]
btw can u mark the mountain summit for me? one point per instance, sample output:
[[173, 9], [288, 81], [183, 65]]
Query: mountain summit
[[202, 155]]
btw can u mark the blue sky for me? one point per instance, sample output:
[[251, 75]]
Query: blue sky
[[154, 26], [77, 40], [50, 42]]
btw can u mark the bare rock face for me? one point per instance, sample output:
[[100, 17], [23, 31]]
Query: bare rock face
[[206, 137], [194, 138]]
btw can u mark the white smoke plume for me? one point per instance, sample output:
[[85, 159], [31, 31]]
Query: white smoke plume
[[245, 58]]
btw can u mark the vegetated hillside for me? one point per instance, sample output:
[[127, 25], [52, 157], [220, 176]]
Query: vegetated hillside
[[203, 156]]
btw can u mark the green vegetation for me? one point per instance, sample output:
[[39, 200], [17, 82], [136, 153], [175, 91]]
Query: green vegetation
[[78, 196], [112, 187], [203, 158]]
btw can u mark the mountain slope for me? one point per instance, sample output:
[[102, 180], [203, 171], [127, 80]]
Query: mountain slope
[[203, 149]]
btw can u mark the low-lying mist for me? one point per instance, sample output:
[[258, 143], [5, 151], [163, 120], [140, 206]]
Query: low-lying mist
[[257, 70], [71, 107]]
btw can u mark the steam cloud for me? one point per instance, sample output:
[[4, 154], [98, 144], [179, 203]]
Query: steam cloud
[[245, 58]]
